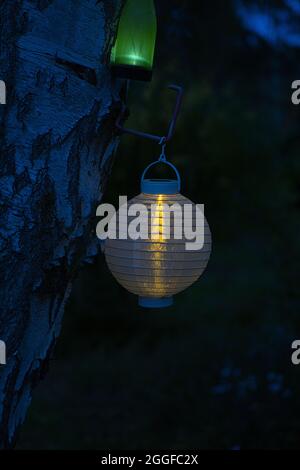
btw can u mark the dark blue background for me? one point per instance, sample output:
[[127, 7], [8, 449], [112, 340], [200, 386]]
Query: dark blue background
[[214, 371]]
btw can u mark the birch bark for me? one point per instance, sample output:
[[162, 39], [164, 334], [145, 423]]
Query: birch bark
[[56, 148]]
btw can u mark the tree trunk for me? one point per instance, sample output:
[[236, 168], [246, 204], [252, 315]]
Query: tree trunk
[[57, 144]]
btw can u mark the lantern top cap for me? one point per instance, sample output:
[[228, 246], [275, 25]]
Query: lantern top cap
[[160, 186]]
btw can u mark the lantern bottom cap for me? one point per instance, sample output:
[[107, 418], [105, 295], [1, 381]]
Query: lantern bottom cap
[[155, 302]]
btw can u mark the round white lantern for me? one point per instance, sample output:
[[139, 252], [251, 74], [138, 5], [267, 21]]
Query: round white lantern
[[159, 266]]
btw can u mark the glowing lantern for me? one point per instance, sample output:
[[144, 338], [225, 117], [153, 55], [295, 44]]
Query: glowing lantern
[[133, 52], [158, 267]]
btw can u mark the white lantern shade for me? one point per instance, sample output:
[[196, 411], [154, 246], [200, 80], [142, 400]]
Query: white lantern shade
[[157, 268]]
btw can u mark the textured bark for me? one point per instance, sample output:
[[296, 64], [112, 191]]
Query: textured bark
[[57, 144]]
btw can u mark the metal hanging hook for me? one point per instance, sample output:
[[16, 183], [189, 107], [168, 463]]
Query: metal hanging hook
[[163, 143], [145, 135]]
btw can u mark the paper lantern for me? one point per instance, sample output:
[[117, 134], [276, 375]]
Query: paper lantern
[[157, 268], [133, 52]]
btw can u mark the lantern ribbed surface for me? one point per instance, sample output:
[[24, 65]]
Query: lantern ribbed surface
[[157, 268]]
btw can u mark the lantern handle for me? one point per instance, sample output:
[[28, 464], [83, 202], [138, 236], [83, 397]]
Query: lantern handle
[[166, 163], [145, 135]]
